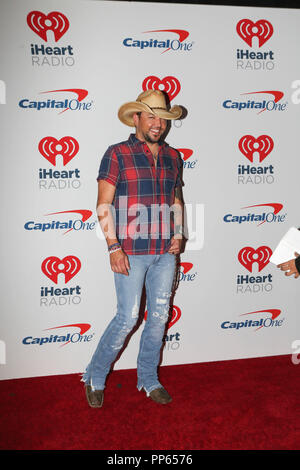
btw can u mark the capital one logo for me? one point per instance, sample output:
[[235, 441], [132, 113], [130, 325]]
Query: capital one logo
[[174, 316], [67, 337], [263, 145], [170, 85], [262, 218], [55, 21], [185, 273], [248, 256], [263, 104], [187, 153], [76, 224], [161, 42], [53, 266], [182, 36], [272, 320], [73, 104], [188, 162], [50, 148], [186, 267], [247, 30]]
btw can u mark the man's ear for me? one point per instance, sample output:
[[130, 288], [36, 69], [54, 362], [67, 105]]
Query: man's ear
[[135, 118]]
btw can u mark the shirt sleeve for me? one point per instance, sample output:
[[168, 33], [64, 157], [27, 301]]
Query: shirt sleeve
[[109, 167], [179, 161]]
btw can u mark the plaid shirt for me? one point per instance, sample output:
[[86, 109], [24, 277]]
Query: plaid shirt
[[144, 194]]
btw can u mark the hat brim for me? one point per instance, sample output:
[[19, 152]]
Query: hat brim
[[127, 111]]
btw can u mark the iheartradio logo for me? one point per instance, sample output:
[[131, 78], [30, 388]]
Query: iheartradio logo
[[250, 147], [53, 266], [263, 145], [174, 315], [247, 30], [170, 85], [55, 21], [50, 148], [248, 256]]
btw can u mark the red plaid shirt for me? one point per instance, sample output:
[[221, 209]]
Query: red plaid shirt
[[144, 194]]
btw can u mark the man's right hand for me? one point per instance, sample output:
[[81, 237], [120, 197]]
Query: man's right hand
[[119, 262]]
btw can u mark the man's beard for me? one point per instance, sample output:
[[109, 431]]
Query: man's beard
[[152, 140]]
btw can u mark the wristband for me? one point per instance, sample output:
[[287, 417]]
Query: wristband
[[114, 250], [114, 245]]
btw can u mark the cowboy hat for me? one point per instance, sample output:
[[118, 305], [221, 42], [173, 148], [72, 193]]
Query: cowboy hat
[[150, 101]]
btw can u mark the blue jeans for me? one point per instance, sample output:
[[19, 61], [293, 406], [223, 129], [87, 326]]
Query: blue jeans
[[157, 273]]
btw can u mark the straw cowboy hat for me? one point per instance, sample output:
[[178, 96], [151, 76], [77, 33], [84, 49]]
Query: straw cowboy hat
[[151, 101]]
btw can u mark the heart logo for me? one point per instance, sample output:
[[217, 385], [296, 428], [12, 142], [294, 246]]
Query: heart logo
[[169, 85], [53, 266], [247, 256], [262, 29], [263, 145], [67, 146], [55, 22], [174, 317]]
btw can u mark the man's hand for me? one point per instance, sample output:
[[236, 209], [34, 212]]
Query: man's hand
[[119, 262], [176, 244], [290, 267]]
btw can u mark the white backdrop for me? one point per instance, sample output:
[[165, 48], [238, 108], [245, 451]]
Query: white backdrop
[[63, 78]]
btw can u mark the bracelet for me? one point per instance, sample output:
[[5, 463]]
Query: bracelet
[[113, 251], [113, 246]]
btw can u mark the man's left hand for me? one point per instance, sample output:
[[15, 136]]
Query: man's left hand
[[175, 247], [290, 267]]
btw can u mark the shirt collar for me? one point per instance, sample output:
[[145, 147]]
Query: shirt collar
[[133, 140]]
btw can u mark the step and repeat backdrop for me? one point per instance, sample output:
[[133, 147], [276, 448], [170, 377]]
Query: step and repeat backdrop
[[66, 68]]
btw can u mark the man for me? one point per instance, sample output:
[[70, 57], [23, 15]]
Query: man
[[140, 212]]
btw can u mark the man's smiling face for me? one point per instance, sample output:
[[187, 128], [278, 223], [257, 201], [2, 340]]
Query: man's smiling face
[[149, 127]]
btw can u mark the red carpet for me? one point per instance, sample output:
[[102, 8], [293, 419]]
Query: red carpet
[[251, 404]]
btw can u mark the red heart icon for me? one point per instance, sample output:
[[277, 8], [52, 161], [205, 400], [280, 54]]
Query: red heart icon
[[175, 315], [263, 145], [53, 266], [262, 29], [40, 24], [50, 147], [169, 85], [247, 256]]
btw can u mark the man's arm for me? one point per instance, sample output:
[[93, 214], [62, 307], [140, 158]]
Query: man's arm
[[106, 192], [176, 241], [178, 214]]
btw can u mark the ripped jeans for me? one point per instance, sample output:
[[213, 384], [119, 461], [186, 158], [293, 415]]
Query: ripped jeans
[[157, 273]]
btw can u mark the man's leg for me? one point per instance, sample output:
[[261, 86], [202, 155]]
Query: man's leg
[[159, 281], [129, 291]]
